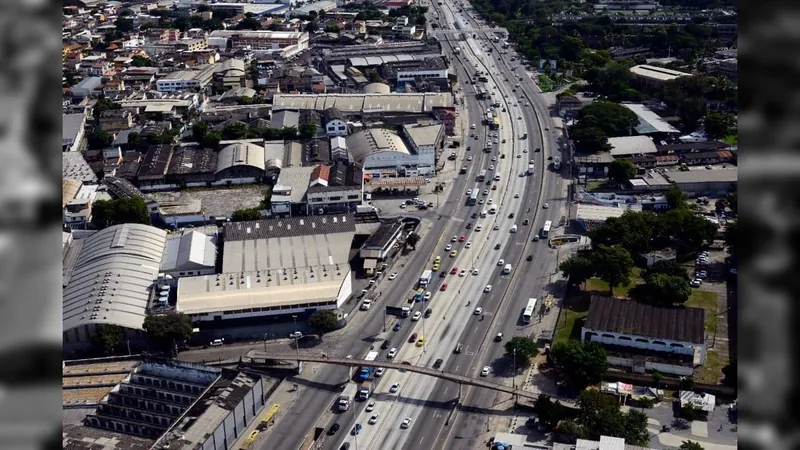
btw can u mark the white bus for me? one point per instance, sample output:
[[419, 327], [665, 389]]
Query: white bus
[[529, 310], [546, 228]]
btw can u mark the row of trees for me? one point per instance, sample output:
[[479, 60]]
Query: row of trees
[[209, 137]]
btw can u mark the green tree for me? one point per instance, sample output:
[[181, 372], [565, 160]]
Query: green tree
[[234, 130], [666, 290], [732, 237], [656, 375], [141, 61], [289, 132], [308, 130], [549, 412], [718, 124], [199, 131], [577, 269], [522, 349], [211, 139], [690, 111], [98, 139], [167, 330], [613, 118], [312, 26], [243, 215], [412, 240], [646, 403], [670, 268], [323, 320], [637, 232], [331, 28], [687, 383], [103, 104], [600, 415], [250, 23], [690, 445], [675, 197], [106, 213], [582, 364], [373, 76], [613, 265], [107, 337], [733, 201], [689, 231], [589, 139], [621, 171], [124, 25]]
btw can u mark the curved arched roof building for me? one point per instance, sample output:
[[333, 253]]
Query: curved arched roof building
[[240, 160]]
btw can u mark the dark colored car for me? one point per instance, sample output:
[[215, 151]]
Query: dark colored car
[[438, 363], [412, 338], [345, 446], [469, 226], [474, 215], [356, 429], [511, 216], [529, 258], [396, 327], [497, 247], [443, 274], [385, 345], [334, 428]]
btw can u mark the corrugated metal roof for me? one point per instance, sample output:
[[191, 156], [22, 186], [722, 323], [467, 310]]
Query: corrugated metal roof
[[191, 251], [111, 281]]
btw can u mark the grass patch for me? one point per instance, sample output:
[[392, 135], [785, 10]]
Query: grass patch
[[545, 83], [732, 139], [571, 319], [711, 371], [596, 185], [600, 287], [708, 301]]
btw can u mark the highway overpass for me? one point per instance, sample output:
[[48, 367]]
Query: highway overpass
[[460, 379]]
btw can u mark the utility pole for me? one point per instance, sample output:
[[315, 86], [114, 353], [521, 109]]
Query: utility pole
[[296, 342]]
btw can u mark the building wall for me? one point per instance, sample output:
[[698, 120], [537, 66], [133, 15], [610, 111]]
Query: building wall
[[643, 342], [672, 369], [345, 291], [336, 127], [411, 75], [338, 196]]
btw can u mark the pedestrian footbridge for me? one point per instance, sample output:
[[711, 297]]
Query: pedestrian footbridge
[[255, 356]]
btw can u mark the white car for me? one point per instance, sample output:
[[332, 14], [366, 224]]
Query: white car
[[393, 276], [454, 239], [428, 295], [295, 335], [524, 150], [545, 206], [494, 158], [488, 288], [696, 283], [501, 263], [402, 206], [516, 195], [379, 371], [392, 352], [496, 141], [469, 158], [476, 271], [496, 227], [370, 406], [462, 273], [448, 247], [491, 167], [485, 192], [490, 201], [469, 192], [406, 423], [478, 311], [473, 126], [374, 419], [468, 244], [485, 371], [395, 387], [417, 315]]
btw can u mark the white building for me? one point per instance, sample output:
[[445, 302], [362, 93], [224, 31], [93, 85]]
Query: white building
[[382, 153], [72, 131], [276, 267], [187, 79], [335, 188], [424, 141], [676, 333], [335, 122], [189, 254]]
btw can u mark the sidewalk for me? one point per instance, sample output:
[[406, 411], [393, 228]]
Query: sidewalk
[[269, 414]]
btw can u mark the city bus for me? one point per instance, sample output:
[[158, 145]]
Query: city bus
[[530, 309], [482, 175], [546, 228], [473, 197]]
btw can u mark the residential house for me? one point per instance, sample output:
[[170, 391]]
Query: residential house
[[116, 120], [335, 122]]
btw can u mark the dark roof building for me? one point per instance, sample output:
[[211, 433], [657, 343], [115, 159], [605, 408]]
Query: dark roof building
[[155, 163], [633, 318], [316, 151], [289, 227], [192, 164]]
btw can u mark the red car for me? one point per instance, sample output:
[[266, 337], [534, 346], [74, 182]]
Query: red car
[[454, 271], [462, 238], [444, 287], [412, 338]]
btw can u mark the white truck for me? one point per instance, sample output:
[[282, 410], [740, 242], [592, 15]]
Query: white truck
[[366, 390], [426, 278], [530, 169], [366, 304], [347, 397], [556, 162]]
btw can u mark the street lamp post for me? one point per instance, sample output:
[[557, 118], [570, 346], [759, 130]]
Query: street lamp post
[[265, 342], [296, 342]]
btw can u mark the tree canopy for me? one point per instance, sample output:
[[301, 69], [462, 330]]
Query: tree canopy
[[582, 364], [243, 215], [323, 320], [577, 269], [522, 349], [107, 337], [666, 290], [106, 213], [167, 330], [612, 264], [621, 171]]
